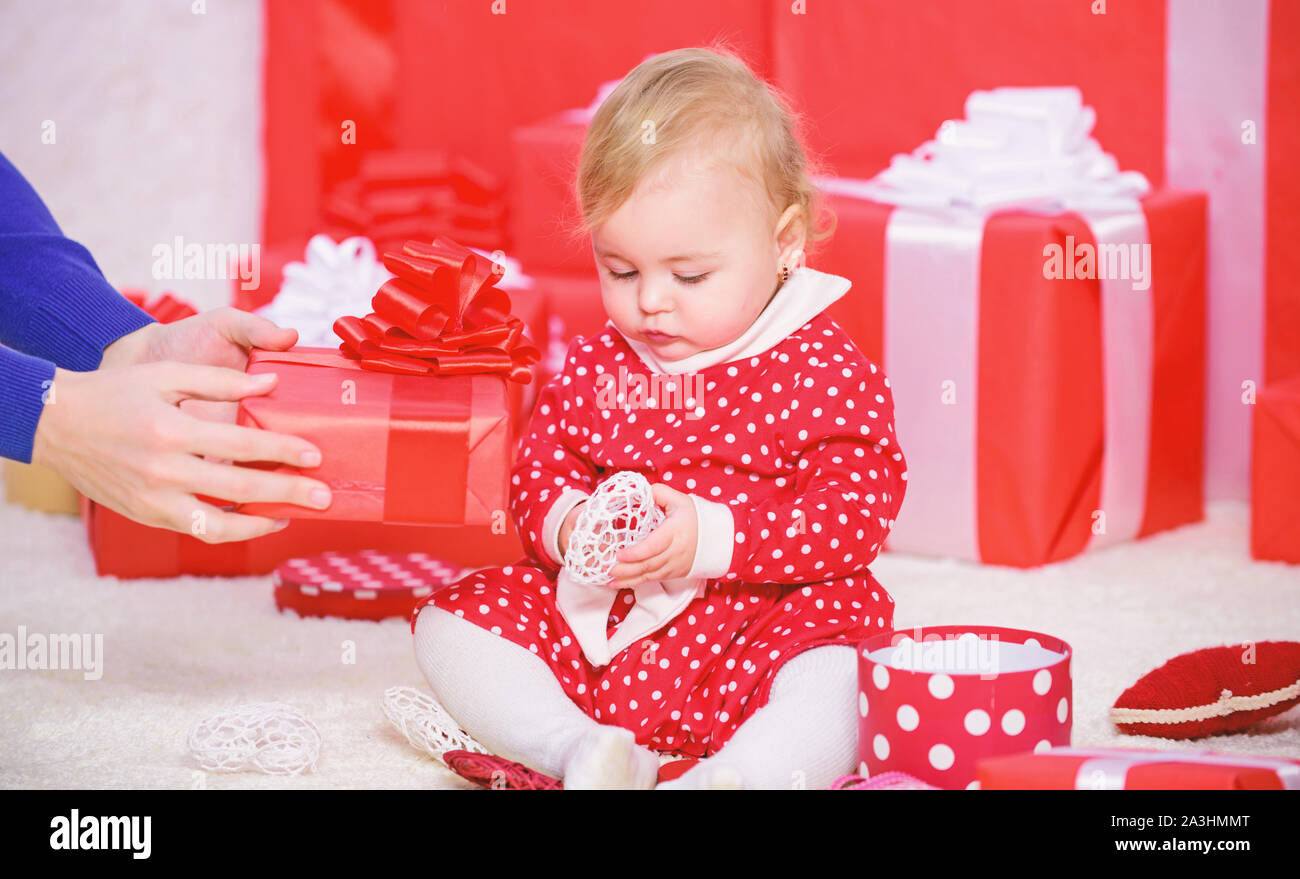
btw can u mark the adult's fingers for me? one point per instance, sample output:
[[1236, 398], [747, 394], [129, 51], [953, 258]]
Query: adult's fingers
[[230, 442], [248, 485], [181, 380], [213, 525], [252, 331]]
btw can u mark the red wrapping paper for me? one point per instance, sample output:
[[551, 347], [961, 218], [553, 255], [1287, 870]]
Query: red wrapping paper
[[542, 206], [573, 302], [1040, 421], [124, 548], [418, 194], [396, 448], [1175, 771], [165, 308], [1275, 473], [412, 413], [398, 68], [533, 308]]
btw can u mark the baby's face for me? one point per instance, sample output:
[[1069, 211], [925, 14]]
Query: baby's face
[[691, 255]]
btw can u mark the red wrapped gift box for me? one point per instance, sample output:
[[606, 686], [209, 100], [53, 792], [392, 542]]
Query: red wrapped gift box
[[1037, 423], [399, 195], [403, 449], [1137, 769], [573, 303], [124, 548], [412, 413], [542, 206], [1275, 469]]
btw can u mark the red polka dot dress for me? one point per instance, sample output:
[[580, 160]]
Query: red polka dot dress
[[793, 448]]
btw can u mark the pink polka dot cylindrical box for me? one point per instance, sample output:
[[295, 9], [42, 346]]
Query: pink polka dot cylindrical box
[[933, 702]]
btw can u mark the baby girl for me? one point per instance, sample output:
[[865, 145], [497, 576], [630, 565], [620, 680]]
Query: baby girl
[[778, 471]]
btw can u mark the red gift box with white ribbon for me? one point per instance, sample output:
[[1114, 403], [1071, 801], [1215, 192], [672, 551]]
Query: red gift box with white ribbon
[[934, 701], [1041, 319], [1068, 768]]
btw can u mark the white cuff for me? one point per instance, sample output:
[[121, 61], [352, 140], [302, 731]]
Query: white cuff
[[714, 540], [555, 520]]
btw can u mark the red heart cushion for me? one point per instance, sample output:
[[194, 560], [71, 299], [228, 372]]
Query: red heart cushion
[[1212, 691]]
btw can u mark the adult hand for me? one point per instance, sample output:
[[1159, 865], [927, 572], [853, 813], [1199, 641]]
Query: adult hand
[[666, 553], [220, 337], [119, 436]]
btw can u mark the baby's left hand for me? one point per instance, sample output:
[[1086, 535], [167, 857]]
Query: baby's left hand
[[666, 553]]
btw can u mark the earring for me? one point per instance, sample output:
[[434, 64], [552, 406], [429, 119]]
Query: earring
[[785, 274]]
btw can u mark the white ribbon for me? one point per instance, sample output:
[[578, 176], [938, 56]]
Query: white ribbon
[[932, 274], [1019, 148], [1108, 770], [333, 280], [1128, 357]]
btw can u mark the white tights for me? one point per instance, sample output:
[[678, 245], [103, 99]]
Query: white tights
[[508, 699]]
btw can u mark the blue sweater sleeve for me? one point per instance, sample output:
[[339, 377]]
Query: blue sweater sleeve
[[55, 305], [23, 382]]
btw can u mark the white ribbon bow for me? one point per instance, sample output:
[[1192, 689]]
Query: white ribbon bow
[[1023, 147], [333, 280]]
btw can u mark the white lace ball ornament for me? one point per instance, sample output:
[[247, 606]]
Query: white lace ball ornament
[[268, 737], [620, 512], [425, 723]]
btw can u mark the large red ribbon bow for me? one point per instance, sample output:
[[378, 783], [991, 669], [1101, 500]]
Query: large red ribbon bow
[[441, 315]]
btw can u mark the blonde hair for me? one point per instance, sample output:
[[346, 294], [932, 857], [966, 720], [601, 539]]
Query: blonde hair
[[696, 98]]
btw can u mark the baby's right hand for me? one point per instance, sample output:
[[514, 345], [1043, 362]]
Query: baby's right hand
[[567, 528]]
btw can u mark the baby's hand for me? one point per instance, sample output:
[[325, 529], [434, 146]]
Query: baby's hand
[[566, 528], [668, 552]]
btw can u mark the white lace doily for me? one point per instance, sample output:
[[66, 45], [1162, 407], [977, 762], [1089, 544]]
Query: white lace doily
[[620, 512], [426, 724], [268, 737]]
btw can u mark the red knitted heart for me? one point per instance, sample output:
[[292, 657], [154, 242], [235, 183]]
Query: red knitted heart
[[498, 773], [1212, 691]]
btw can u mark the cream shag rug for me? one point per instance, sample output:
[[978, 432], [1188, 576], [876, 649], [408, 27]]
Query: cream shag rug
[[176, 651]]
